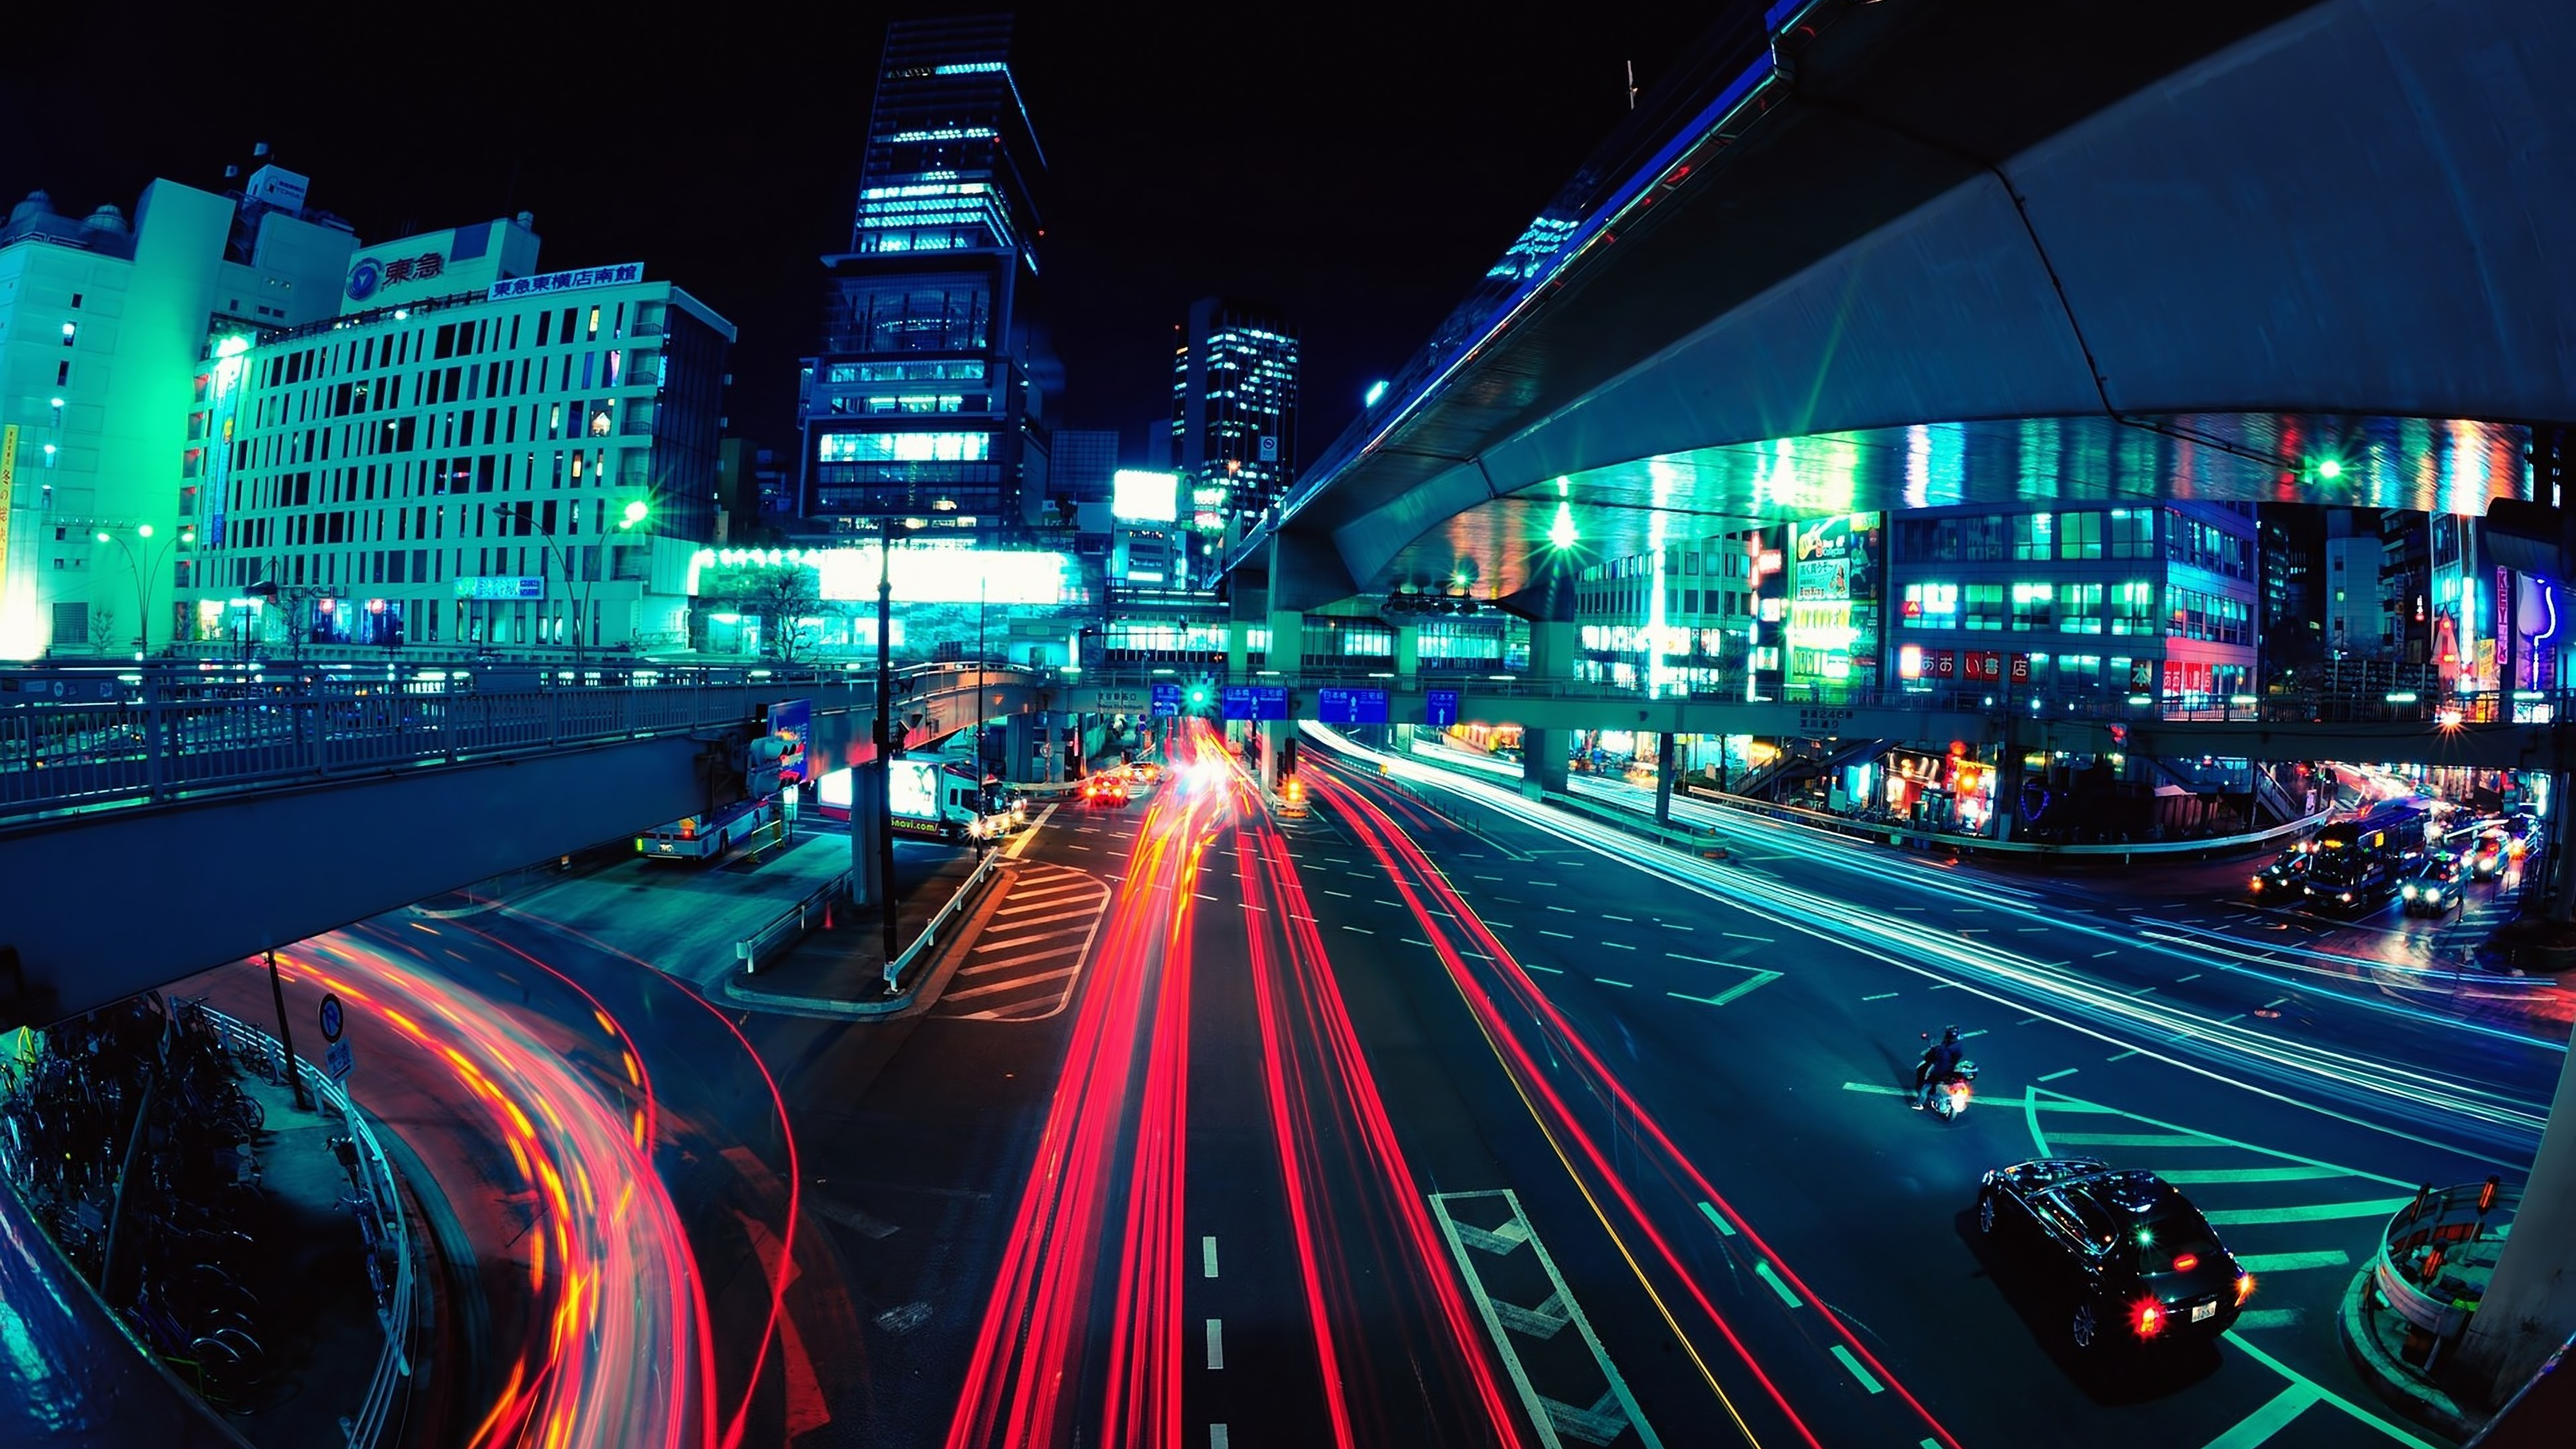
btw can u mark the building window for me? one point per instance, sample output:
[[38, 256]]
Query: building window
[[2133, 608], [71, 330], [2133, 533], [2034, 537], [2079, 535], [2034, 606], [1931, 606], [904, 447], [1985, 606], [2079, 606]]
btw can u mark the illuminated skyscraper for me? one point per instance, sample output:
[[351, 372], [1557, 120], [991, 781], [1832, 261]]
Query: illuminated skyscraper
[[1234, 417], [918, 407]]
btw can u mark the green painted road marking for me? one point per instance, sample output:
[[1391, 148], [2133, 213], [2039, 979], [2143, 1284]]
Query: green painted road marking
[[1534, 966], [2053, 1076], [1606, 981], [2142, 1139], [2393, 1431], [2284, 1262], [1717, 1220], [2268, 1420], [1862, 1374], [1882, 996], [2052, 1101], [2196, 1175], [2269, 1318], [2195, 976], [1760, 978], [2124, 1056], [1762, 1270], [2314, 1212]]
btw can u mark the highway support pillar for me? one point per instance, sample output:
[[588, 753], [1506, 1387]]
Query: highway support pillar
[[1274, 738], [1543, 763], [867, 803], [1664, 778], [1408, 654], [1287, 651], [2530, 1304]]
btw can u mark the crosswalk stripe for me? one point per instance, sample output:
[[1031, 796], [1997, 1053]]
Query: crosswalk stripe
[[981, 967], [1039, 900], [1013, 984]]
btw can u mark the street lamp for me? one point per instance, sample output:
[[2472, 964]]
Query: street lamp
[[143, 572], [633, 515]]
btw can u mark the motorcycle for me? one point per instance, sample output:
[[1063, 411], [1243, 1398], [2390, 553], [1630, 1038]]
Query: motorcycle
[[1950, 1094]]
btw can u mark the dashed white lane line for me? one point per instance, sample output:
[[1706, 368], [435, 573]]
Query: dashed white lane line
[[1216, 1343], [1882, 996], [2098, 955], [1203, 895], [1618, 945], [1631, 920], [1362, 930], [1740, 936], [1207, 1257], [1606, 981], [1534, 966], [1567, 910], [1216, 1437], [1560, 935], [1328, 890], [1489, 877], [1669, 926]]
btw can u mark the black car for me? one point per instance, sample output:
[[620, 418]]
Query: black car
[[2132, 1260], [2434, 888], [2279, 881]]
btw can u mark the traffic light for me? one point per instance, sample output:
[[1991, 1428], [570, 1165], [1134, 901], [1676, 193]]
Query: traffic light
[[765, 760], [1199, 696]]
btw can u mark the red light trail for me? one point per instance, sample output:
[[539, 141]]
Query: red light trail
[[1390, 844]]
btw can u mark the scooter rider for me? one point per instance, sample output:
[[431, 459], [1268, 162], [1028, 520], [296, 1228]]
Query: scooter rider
[[1939, 1060]]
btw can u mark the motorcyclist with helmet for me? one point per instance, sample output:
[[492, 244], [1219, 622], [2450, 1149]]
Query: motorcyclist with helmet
[[1940, 1061]]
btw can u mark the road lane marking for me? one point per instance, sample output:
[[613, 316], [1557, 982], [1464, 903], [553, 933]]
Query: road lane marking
[[1762, 1270], [1044, 920], [1980, 1031], [2314, 1212], [2195, 976], [2291, 1262], [1362, 930], [1408, 940], [1216, 1437], [980, 967], [1882, 996], [1669, 926], [1010, 985], [2276, 1001], [1560, 935], [1328, 890], [1386, 903], [1631, 920], [2098, 955], [1216, 1343], [1602, 1422], [1618, 945], [1606, 981], [1489, 877], [2197, 1176], [2259, 1318], [2139, 1139], [1862, 1374], [1534, 966], [2141, 991], [1566, 910], [2030, 930], [2124, 1056], [1717, 1220], [2268, 1420], [2346, 1406], [2053, 1076], [1203, 895], [1739, 935], [1207, 1257]]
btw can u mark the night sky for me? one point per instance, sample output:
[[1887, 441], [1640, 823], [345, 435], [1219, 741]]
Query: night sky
[[1360, 169]]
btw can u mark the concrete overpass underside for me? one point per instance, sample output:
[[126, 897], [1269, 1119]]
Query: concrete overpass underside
[[109, 902], [1963, 253]]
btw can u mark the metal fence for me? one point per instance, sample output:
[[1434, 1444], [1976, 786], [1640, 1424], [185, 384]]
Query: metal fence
[[394, 1309], [180, 734]]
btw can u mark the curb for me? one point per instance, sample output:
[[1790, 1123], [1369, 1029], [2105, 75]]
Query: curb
[[2399, 1387]]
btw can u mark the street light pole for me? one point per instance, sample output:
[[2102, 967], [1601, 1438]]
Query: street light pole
[[633, 514], [143, 577], [885, 728]]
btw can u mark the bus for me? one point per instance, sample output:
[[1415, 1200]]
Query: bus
[[2358, 861]]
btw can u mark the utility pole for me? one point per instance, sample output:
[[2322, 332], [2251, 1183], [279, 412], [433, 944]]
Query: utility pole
[[884, 823], [286, 1037]]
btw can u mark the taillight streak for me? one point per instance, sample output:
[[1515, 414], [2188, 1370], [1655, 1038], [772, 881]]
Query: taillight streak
[[1538, 1003]]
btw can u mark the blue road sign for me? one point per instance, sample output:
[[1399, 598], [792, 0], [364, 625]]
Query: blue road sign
[[1350, 706], [330, 1015], [1255, 701], [1167, 699], [338, 1061], [1440, 708]]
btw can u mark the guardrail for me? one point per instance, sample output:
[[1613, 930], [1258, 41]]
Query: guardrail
[[794, 923], [179, 734], [2123, 851], [394, 1312], [2431, 1247], [930, 929]]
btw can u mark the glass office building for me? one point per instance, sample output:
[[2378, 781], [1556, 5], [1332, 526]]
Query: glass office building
[[1234, 420], [919, 406]]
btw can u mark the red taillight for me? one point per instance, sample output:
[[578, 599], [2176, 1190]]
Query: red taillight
[[2147, 1318], [2185, 1262]]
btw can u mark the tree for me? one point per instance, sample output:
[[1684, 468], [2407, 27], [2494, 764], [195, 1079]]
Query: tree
[[102, 625], [787, 599]]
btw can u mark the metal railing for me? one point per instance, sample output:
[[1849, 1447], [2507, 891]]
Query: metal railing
[[394, 1311], [182, 734], [930, 929], [2443, 1227], [794, 923]]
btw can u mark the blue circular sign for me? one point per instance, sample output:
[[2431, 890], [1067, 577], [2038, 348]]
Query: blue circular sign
[[364, 278], [331, 1019]]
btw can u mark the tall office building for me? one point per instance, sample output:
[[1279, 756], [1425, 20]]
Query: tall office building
[[471, 453], [105, 327], [1234, 420], [921, 404]]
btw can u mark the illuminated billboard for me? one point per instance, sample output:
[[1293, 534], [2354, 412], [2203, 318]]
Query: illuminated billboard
[[912, 789], [1138, 496]]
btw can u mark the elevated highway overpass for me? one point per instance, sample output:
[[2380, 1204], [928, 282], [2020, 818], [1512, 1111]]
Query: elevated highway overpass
[[147, 838], [1878, 256]]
